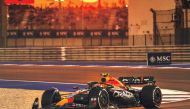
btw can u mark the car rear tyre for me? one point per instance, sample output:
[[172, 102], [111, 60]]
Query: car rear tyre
[[50, 97], [151, 97], [98, 98]]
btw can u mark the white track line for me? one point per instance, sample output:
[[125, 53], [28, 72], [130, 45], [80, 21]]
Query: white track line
[[174, 99], [177, 96], [27, 65], [165, 102], [69, 65], [9, 64], [136, 67], [39, 82], [168, 92], [117, 66], [93, 66], [46, 65]]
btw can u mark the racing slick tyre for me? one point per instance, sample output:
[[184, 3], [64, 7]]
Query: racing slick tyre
[[151, 97], [50, 97], [98, 98]]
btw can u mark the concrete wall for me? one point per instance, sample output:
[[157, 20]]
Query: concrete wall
[[141, 18]]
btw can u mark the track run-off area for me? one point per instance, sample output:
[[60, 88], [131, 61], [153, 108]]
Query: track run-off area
[[174, 80]]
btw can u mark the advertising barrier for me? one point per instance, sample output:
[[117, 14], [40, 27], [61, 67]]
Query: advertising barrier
[[65, 33], [159, 58]]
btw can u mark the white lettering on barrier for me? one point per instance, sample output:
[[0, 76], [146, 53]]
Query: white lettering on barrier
[[61, 33], [28, 34], [44, 33], [12, 33], [163, 58]]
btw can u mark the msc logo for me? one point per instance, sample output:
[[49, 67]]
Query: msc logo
[[159, 58], [152, 59], [163, 58]]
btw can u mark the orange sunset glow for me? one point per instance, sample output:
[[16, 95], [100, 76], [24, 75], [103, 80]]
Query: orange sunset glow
[[54, 3], [90, 1]]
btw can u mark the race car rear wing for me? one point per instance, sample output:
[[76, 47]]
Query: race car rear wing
[[137, 80]]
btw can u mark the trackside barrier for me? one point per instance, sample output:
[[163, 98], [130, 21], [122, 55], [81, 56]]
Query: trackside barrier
[[122, 53], [32, 54], [105, 53]]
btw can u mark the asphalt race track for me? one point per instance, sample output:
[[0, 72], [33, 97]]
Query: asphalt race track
[[167, 77]]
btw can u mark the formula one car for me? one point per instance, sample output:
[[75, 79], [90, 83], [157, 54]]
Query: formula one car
[[109, 93]]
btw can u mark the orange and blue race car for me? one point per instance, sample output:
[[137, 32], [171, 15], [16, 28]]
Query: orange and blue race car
[[109, 93]]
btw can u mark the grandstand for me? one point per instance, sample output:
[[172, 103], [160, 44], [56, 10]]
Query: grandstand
[[91, 24], [77, 18]]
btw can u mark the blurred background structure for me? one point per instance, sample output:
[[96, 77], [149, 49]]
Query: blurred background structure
[[45, 23], [115, 30], [3, 24]]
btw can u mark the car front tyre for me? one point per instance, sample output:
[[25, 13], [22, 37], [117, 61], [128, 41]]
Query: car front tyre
[[98, 98], [50, 97], [151, 97]]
